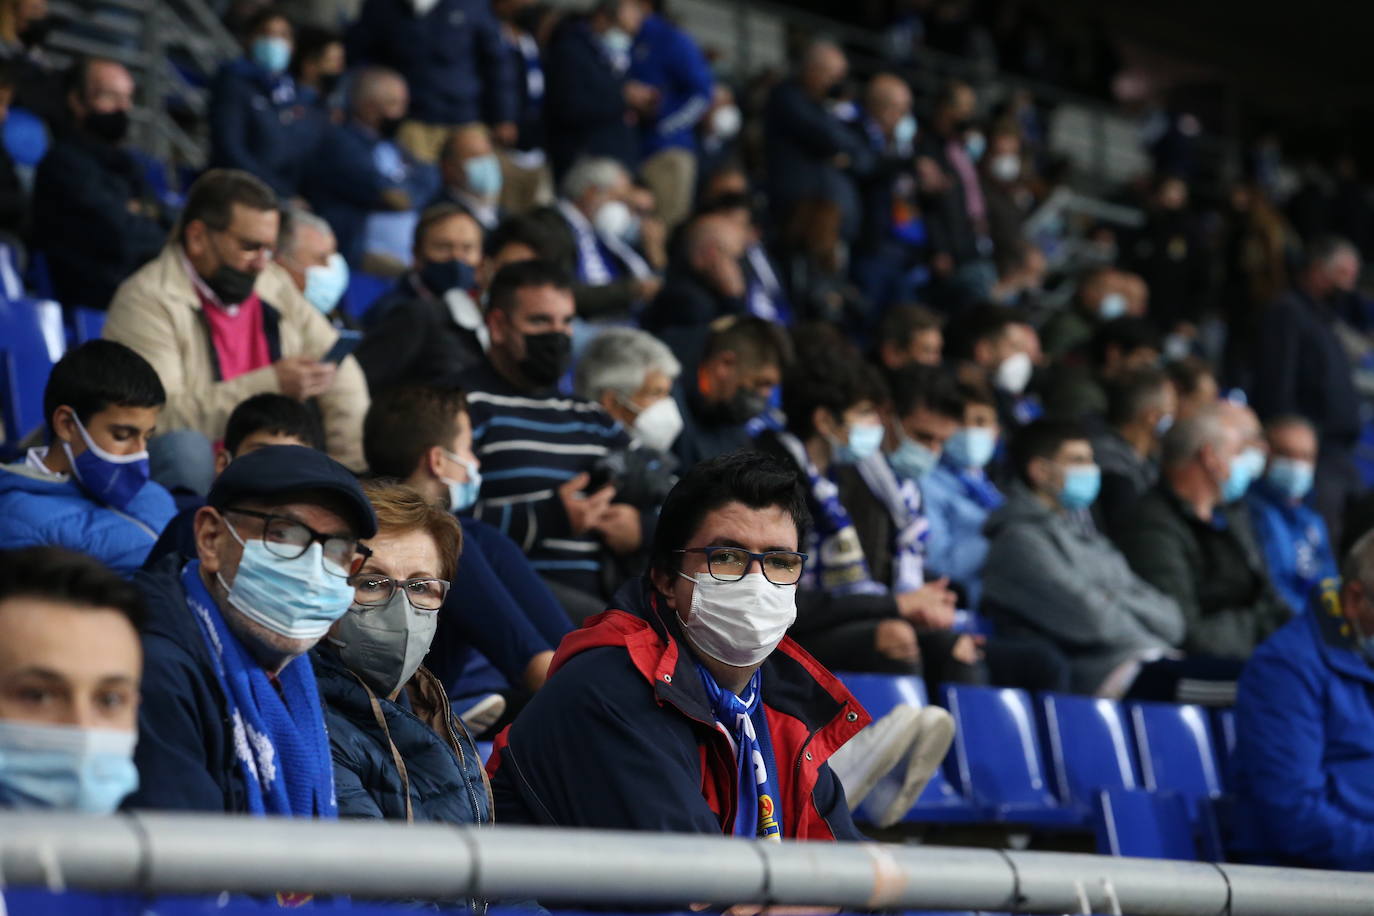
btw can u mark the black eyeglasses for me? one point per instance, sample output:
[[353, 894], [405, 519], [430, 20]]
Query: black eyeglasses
[[423, 594], [730, 564], [287, 538]]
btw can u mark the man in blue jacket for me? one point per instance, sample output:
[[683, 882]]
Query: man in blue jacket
[[1304, 758], [667, 59], [1292, 535], [452, 55], [88, 490]]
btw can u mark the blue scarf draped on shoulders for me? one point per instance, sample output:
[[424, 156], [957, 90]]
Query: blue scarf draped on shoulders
[[757, 813]]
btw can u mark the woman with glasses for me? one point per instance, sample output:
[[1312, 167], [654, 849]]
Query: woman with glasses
[[399, 752]]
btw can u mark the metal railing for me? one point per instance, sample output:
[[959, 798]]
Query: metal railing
[[201, 854]]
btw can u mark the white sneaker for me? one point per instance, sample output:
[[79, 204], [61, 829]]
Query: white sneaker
[[873, 752], [927, 750], [484, 713]]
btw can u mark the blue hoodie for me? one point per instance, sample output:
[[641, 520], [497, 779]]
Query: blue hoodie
[[667, 58], [37, 509]]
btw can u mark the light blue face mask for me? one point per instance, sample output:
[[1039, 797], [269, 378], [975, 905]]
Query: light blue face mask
[[905, 132], [1082, 483], [864, 440], [325, 285], [483, 174], [913, 460], [972, 447], [618, 42], [63, 768], [463, 494], [975, 144], [1245, 468], [1290, 478], [1164, 424], [292, 598], [271, 53], [1112, 306]]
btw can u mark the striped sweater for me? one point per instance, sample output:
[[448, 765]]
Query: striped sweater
[[529, 444]]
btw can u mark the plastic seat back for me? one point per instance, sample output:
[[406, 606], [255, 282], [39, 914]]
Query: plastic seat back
[[997, 756], [1089, 747], [1176, 751], [1132, 822], [32, 340]]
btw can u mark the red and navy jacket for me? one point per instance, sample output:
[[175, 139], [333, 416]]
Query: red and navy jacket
[[622, 736]]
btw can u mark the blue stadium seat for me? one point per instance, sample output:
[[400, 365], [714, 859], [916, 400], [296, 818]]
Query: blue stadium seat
[[25, 137], [1224, 737], [40, 276], [997, 757], [484, 748], [1176, 751], [32, 340], [939, 801], [363, 292], [86, 324], [1149, 825], [1089, 746]]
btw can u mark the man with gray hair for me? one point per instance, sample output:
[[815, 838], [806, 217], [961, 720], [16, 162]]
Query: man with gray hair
[[630, 373], [1303, 767], [309, 252], [1190, 540]]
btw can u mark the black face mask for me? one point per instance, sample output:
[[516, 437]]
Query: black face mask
[[231, 285], [441, 276], [110, 126], [389, 127], [547, 357], [740, 409]]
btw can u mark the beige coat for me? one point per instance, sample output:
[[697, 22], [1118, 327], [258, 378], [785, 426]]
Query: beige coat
[[156, 312]]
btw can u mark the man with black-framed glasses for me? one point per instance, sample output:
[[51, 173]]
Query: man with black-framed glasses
[[686, 708], [231, 717]]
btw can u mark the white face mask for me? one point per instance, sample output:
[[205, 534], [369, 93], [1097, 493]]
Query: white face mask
[[726, 122], [739, 623], [1006, 167], [1014, 373], [615, 219], [658, 424]]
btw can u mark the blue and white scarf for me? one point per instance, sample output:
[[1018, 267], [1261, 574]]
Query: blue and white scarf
[[745, 723], [280, 740]]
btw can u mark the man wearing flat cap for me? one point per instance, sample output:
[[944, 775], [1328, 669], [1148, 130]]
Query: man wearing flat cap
[[231, 719]]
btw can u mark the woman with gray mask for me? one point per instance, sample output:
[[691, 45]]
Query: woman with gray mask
[[399, 752]]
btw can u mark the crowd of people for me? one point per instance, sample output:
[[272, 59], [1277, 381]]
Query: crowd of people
[[786, 393]]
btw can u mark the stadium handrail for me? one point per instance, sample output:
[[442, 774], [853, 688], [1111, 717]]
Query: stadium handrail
[[203, 854]]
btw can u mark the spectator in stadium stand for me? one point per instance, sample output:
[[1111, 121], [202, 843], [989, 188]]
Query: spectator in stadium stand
[[524, 28], [399, 751], [1191, 538], [1195, 384], [24, 27], [231, 720], [499, 607], [94, 216], [1303, 369], [451, 54], [1051, 576], [592, 104], [764, 296], [14, 196], [1297, 550], [365, 183], [959, 495], [1104, 294], [71, 663], [667, 59], [1003, 174], [924, 413], [471, 174], [1141, 408], [602, 229], [260, 421], [887, 245], [706, 282], [992, 346], [677, 711], [1302, 766], [308, 251], [540, 447], [88, 489], [909, 335], [1170, 252], [259, 121], [808, 150], [317, 66], [220, 322], [430, 325], [1077, 385], [631, 374], [737, 375]]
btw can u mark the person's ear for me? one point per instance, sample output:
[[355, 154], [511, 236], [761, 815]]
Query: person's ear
[[497, 324], [662, 582], [890, 355], [433, 462], [1039, 472], [823, 423], [608, 402], [64, 425], [209, 528], [195, 238], [222, 459]]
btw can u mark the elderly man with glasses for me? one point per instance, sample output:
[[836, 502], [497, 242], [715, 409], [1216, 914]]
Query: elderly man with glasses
[[231, 718], [686, 708]]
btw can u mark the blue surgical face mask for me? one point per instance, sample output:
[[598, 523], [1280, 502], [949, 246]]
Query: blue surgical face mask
[[864, 440], [1164, 424], [296, 598], [1243, 472], [971, 447], [441, 276], [904, 133], [913, 460], [64, 768], [617, 41], [271, 53], [1290, 478], [483, 174], [1112, 306], [110, 479], [325, 285], [463, 494], [1082, 482], [976, 144]]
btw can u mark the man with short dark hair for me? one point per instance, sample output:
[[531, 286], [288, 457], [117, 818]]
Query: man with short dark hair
[[94, 216], [220, 322], [910, 334], [1141, 407], [71, 663], [926, 410], [88, 489], [679, 709], [231, 719]]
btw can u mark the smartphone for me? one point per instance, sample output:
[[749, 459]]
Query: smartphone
[[348, 342]]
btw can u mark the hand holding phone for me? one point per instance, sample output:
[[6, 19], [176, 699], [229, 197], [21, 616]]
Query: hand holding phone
[[348, 342]]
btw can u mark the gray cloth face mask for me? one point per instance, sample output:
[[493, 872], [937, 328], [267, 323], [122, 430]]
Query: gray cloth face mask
[[384, 645]]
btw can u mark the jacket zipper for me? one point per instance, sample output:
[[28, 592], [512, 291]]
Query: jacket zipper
[[478, 905]]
